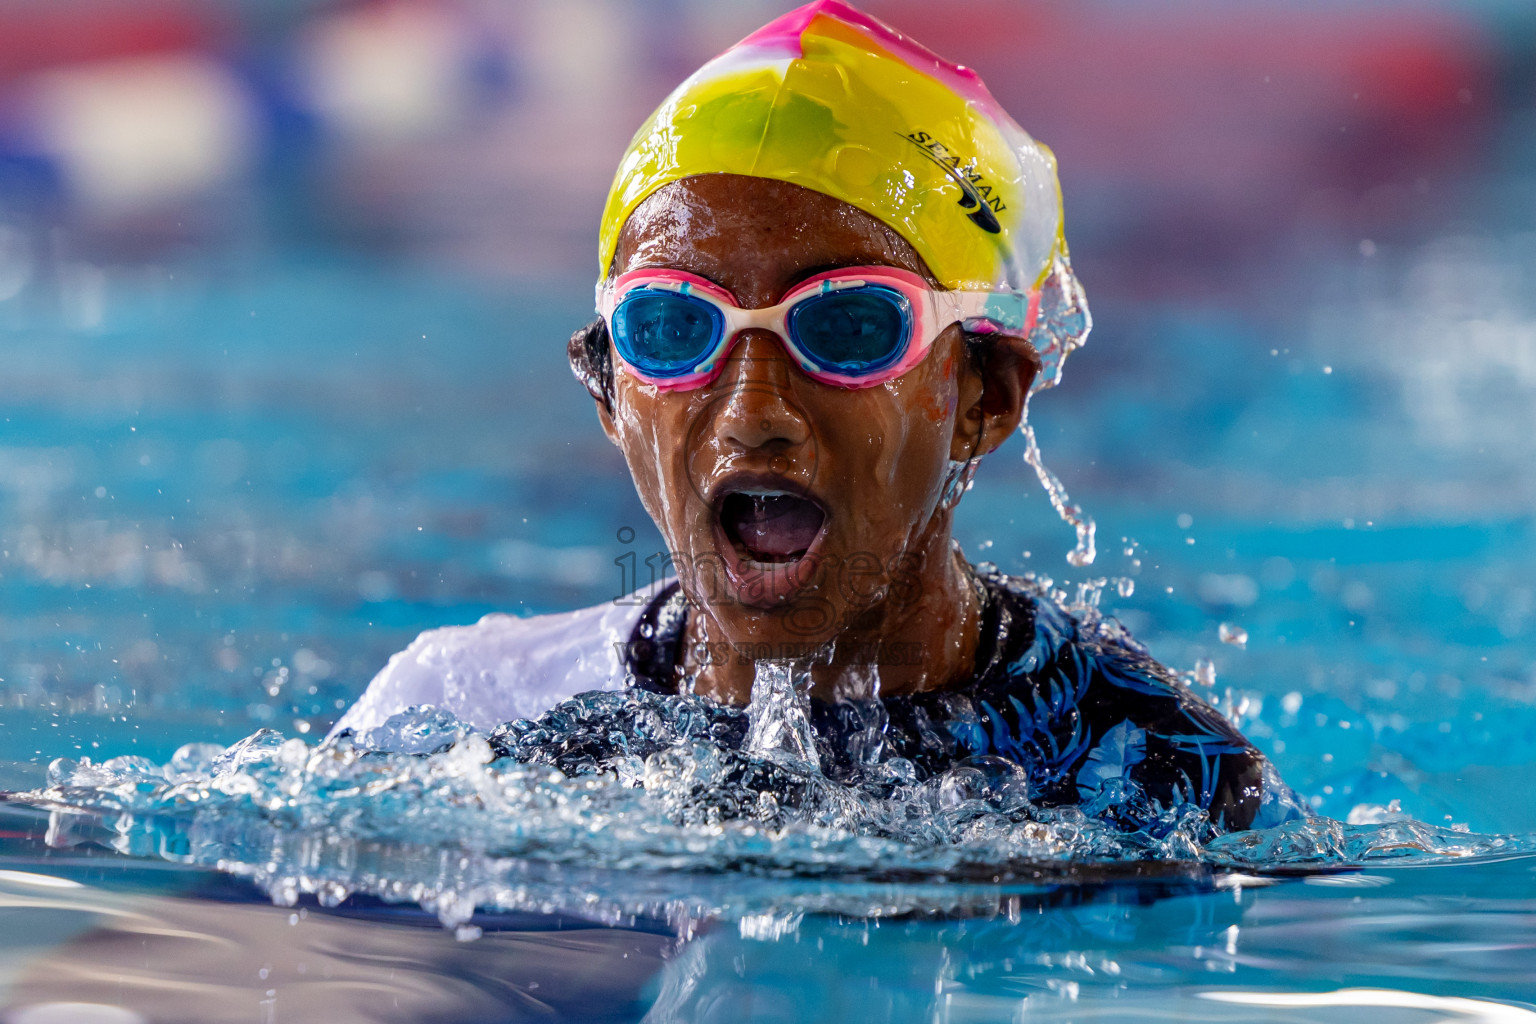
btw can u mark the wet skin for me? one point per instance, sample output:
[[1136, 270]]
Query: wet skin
[[883, 569]]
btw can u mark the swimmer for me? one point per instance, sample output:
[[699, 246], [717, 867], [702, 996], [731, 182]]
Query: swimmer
[[832, 273]]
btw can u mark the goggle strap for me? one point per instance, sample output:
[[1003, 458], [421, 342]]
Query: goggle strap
[[997, 312]]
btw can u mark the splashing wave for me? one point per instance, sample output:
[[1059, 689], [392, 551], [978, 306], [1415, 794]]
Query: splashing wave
[[612, 805]]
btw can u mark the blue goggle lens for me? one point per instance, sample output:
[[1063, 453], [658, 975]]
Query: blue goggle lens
[[665, 334], [854, 331]]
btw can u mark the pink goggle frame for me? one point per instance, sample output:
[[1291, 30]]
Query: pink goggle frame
[[932, 310]]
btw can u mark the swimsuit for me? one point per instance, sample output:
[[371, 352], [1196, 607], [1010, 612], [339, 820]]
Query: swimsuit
[[1092, 718]]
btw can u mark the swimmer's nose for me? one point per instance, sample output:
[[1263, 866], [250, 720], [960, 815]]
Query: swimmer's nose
[[759, 413]]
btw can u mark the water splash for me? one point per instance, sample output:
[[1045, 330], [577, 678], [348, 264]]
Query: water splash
[[1323, 841], [1061, 328], [558, 813], [779, 714], [1072, 514], [1063, 323]]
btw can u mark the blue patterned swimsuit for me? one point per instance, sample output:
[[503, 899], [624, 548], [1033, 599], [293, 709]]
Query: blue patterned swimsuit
[[1088, 714]]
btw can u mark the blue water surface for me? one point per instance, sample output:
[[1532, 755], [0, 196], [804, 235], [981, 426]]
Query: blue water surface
[[229, 502], [232, 485]]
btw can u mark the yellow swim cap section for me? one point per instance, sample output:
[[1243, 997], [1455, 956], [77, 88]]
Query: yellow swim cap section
[[828, 98]]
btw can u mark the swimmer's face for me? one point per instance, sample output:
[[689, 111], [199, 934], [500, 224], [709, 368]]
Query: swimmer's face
[[794, 510]]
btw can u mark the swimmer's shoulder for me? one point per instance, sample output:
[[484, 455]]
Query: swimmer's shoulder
[[1088, 681], [1027, 630], [504, 666], [1090, 664]]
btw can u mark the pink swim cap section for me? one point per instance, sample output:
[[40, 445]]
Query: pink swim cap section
[[782, 35]]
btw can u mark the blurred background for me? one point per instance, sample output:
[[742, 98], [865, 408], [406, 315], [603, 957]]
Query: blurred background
[[285, 287]]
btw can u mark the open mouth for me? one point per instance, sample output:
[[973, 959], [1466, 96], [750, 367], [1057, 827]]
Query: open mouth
[[770, 527]]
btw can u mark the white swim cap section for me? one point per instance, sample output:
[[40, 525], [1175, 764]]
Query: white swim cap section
[[502, 667]]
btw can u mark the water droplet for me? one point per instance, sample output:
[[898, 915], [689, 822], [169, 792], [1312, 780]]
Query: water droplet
[[284, 892], [332, 894], [1073, 515]]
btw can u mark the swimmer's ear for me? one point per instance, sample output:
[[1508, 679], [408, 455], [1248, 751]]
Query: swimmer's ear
[[994, 388], [593, 366]]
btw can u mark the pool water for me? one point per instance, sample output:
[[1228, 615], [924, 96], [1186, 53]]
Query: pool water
[[232, 486], [135, 939], [229, 503]]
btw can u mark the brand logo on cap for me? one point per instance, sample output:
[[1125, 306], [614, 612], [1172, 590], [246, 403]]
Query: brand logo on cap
[[975, 193]]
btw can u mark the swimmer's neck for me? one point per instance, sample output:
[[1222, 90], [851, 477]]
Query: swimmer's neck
[[926, 642]]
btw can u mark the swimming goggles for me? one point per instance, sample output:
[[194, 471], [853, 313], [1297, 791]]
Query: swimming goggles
[[851, 328]]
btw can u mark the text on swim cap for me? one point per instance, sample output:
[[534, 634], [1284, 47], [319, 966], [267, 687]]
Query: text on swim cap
[[975, 193]]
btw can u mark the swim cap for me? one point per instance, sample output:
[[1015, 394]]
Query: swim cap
[[831, 99]]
